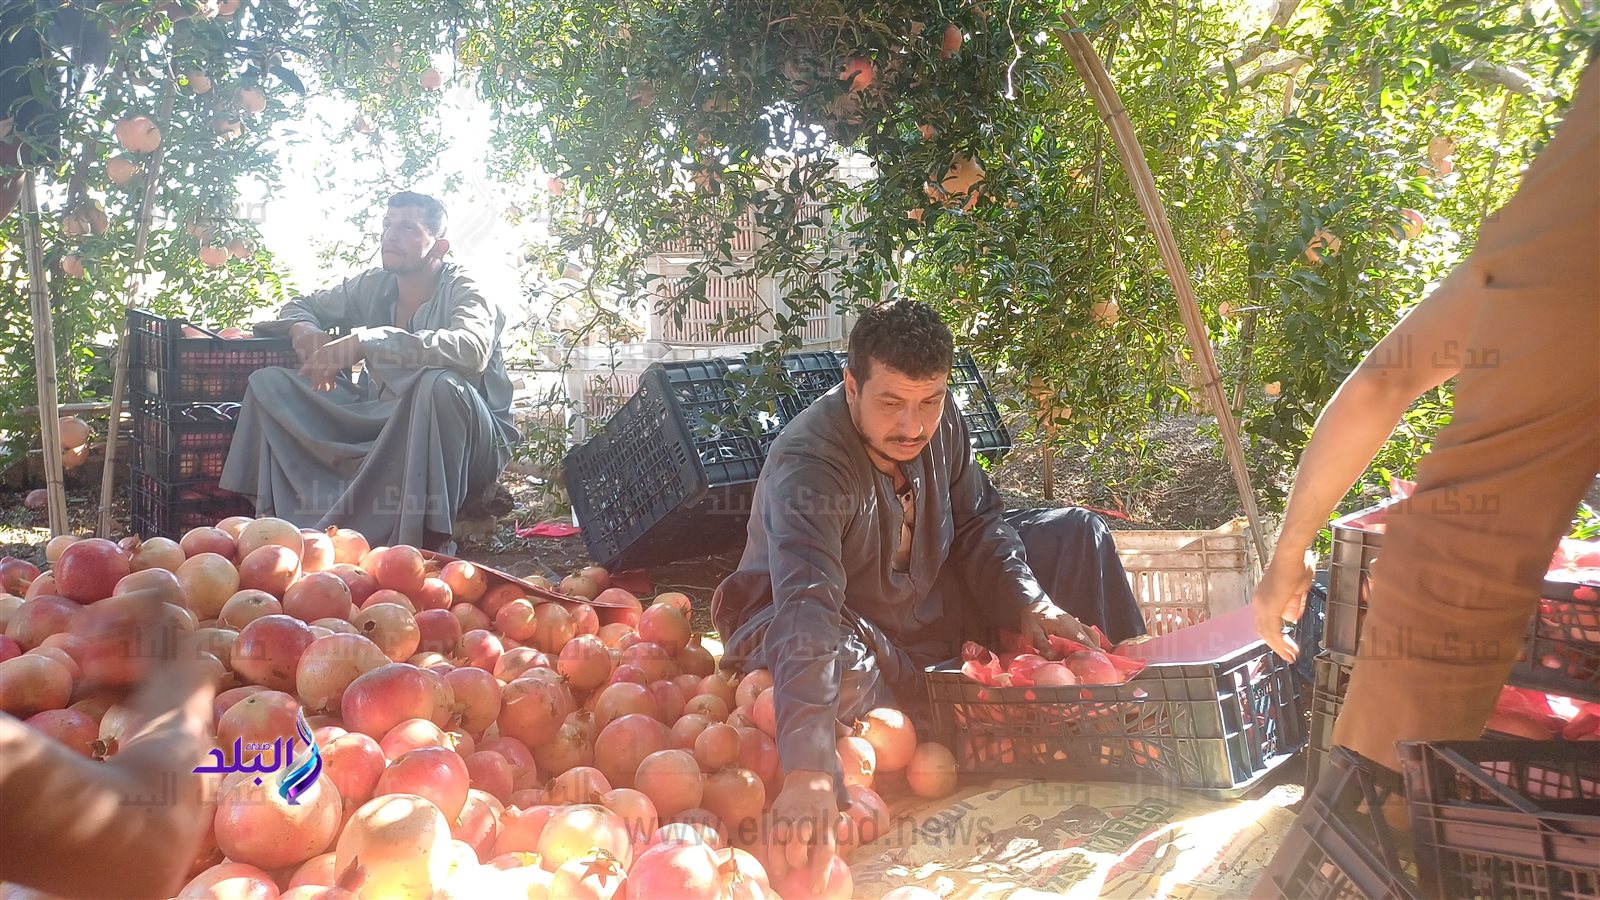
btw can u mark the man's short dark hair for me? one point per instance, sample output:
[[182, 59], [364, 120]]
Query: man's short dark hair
[[907, 336], [432, 210]]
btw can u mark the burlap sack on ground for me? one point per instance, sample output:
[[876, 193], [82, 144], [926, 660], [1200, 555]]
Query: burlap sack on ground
[[1019, 839]]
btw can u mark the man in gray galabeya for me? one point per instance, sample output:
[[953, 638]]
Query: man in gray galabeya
[[424, 431]]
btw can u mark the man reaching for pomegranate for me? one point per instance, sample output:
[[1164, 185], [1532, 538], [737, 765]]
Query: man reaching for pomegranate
[[426, 430], [876, 546]]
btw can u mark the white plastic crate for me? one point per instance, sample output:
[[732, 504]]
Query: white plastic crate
[[704, 235], [826, 323], [728, 297], [1180, 578]]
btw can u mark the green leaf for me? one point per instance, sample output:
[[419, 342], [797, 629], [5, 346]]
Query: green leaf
[[290, 80], [1475, 32], [1440, 55], [1233, 76]]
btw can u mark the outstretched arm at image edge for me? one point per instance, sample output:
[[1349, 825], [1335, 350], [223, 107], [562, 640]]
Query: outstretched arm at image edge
[[1421, 352], [78, 828]]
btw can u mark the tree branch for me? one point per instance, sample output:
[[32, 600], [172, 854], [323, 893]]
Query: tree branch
[[1287, 64], [1509, 77], [1281, 14]]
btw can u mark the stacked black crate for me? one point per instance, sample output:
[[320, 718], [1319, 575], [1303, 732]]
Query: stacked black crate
[[1561, 649], [185, 387]]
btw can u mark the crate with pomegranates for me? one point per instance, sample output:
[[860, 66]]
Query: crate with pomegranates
[[1209, 707], [173, 361], [1562, 642]]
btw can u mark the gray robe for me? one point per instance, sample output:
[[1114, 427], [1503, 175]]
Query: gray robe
[[818, 600], [395, 454]]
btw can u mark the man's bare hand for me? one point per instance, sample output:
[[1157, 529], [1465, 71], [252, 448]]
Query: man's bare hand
[[127, 638], [307, 339], [1045, 618], [1280, 599], [334, 357], [803, 827]]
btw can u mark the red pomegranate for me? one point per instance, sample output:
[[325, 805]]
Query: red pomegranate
[[574, 830], [33, 683], [386, 696], [533, 706], [403, 846], [75, 730], [435, 773], [37, 619], [361, 584], [671, 779], [270, 568], [391, 626], [892, 736], [678, 869], [319, 595], [400, 568], [258, 718], [467, 582], [256, 824], [353, 762], [89, 569], [477, 698], [330, 665], [624, 743], [268, 650]]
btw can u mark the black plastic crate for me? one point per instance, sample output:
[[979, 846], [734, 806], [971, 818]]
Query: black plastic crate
[[1341, 847], [990, 440], [1327, 698], [1562, 651], [157, 508], [1357, 540], [164, 365], [1309, 631], [811, 374], [1562, 654], [1511, 819], [182, 442], [1214, 727], [652, 486]]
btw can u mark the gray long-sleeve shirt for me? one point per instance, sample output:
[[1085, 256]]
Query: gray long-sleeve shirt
[[824, 526], [468, 342]]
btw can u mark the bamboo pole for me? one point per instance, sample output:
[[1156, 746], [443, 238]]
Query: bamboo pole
[[1112, 112], [44, 354], [119, 376]]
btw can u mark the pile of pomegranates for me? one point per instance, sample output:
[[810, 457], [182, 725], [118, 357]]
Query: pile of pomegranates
[[475, 741]]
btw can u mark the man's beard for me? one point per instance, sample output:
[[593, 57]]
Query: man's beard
[[888, 451], [411, 268]]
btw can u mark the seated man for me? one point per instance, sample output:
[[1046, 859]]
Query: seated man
[[425, 431], [877, 545]]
